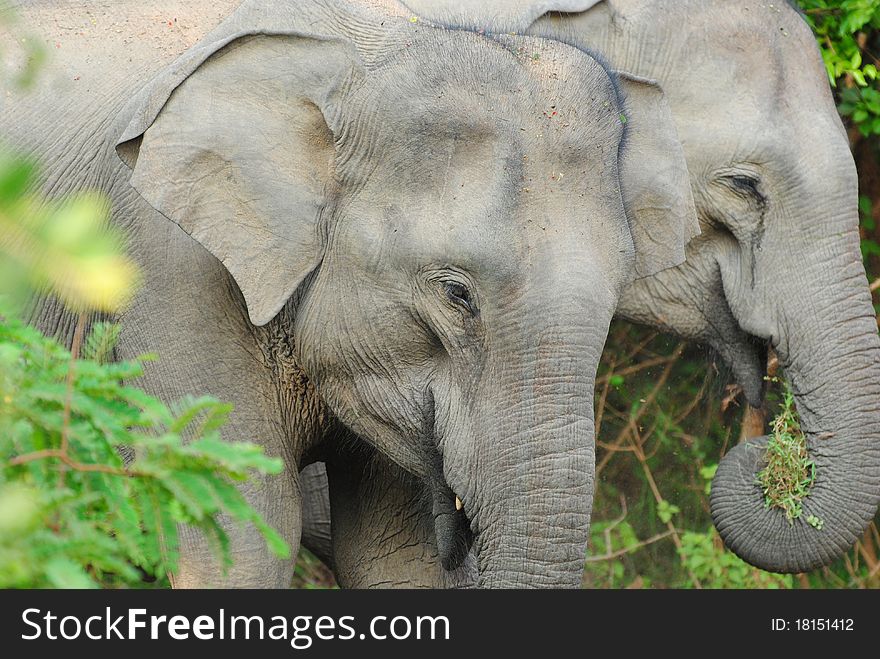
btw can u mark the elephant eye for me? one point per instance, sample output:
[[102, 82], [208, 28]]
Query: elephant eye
[[459, 295], [745, 183], [748, 186]]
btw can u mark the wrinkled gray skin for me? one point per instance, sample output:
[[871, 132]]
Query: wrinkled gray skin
[[376, 238], [778, 260]]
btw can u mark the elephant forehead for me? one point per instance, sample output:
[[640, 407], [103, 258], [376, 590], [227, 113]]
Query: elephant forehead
[[487, 209], [475, 182], [752, 61], [452, 84], [464, 149]]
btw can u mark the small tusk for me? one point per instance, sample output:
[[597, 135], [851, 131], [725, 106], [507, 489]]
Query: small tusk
[[458, 504]]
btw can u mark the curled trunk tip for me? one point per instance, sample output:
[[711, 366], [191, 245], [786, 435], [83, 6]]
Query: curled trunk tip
[[840, 505]]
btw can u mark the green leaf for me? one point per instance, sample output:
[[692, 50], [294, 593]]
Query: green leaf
[[708, 472], [666, 510], [190, 490], [64, 573], [234, 456], [101, 341], [15, 176], [190, 409], [277, 545]]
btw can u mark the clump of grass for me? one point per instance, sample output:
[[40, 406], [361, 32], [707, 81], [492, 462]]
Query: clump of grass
[[789, 472]]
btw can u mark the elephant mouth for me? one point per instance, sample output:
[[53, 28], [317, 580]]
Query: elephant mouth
[[746, 355], [749, 365], [451, 527]]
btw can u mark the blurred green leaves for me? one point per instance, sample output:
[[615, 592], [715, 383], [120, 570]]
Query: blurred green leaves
[[72, 514], [23, 54], [845, 30], [79, 516], [666, 511], [65, 247]]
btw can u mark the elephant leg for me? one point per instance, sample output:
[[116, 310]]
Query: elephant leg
[[316, 526], [192, 315], [277, 499], [383, 529]]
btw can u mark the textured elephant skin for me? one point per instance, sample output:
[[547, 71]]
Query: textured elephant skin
[[777, 262], [376, 237]]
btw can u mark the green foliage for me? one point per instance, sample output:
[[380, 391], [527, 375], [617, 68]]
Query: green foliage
[[715, 567], [99, 345], [708, 473], [843, 29], [65, 247], [789, 472], [610, 542], [72, 515], [666, 510], [660, 440]]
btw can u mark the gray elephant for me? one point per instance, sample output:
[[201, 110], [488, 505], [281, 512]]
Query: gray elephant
[[777, 264], [374, 234]]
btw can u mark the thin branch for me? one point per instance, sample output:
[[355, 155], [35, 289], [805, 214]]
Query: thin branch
[[613, 448], [874, 572], [616, 522], [641, 345], [627, 550], [634, 419], [874, 285], [629, 370], [849, 566], [36, 455], [70, 462], [686, 413], [640, 455]]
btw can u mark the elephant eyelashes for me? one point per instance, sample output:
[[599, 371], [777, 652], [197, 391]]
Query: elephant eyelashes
[[747, 186], [459, 295]]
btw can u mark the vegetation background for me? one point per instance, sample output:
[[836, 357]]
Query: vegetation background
[[72, 514]]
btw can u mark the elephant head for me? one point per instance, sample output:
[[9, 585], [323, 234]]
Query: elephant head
[[441, 213], [778, 260]]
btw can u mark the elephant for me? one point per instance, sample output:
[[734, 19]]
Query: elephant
[[777, 263], [375, 236]]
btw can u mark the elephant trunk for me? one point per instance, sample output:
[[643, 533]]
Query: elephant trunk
[[532, 530], [831, 356]]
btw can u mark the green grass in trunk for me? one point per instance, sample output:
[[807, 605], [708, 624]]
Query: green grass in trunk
[[789, 472]]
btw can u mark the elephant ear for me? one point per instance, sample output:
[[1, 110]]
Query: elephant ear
[[654, 179], [235, 144]]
